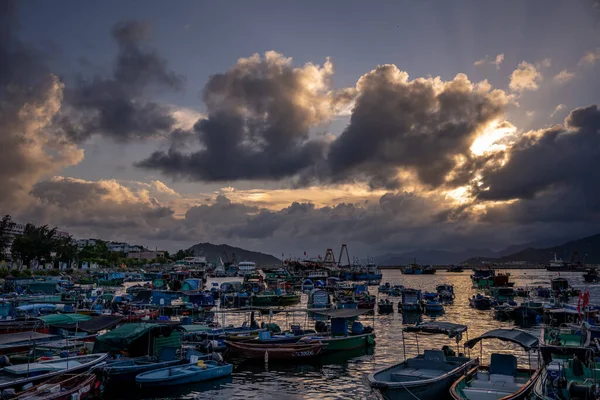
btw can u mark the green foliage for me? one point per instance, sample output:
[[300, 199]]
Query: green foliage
[[3, 272], [181, 254]]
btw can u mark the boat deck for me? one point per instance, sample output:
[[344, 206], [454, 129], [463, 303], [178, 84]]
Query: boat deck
[[495, 386]]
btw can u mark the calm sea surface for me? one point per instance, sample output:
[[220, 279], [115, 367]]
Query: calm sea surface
[[344, 377]]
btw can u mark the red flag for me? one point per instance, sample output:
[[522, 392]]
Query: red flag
[[305, 254], [580, 301]]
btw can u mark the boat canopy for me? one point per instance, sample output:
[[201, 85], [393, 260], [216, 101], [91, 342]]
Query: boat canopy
[[446, 328], [523, 339], [63, 319], [126, 335], [342, 312], [94, 325]]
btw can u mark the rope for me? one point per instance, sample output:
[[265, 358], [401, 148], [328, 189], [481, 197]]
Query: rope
[[411, 393]]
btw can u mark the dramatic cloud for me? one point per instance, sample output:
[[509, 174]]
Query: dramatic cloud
[[424, 126], [260, 116], [590, 57], [563, 76], [525, 77], [549, 171], [486, 60], [104, 208], [30, 97], [116, 106]]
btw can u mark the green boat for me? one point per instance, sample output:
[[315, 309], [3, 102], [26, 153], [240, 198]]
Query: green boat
[[570, 369], [271, 299], [340, 339]]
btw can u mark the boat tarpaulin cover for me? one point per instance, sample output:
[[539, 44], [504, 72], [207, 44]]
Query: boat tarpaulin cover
[[96, 324], [447, 328], [524, 339], [62, 319], [343, 312]]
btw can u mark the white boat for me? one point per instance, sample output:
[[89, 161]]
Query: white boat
[[246, 268], [21, 376], [428, 375], [502, 379]]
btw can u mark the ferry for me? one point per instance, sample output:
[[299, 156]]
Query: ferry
[[246, 268]]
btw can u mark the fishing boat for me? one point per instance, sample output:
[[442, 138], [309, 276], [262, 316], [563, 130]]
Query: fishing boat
[[503, 294], [385, 288], [564, 337], [183, 374], [590, 275], [121, 372], [445, 292], [433, 307], [411, 300], [455, 268], [483, 278], [63, 387], [339, 338], [502, 379], [428, 375], [385, 307], [569, 372], [319, 298], [21, 376], [270, 352], [480, 302]]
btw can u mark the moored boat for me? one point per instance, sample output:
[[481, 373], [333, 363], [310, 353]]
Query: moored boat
[[428, 375], [270, 352], [411, 300], [480, 302], [21, 376], [183, 374], [385, 306], [64, 387], [502, 379]]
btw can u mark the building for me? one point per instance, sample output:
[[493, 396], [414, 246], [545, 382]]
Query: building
[[124, 247], [146, 255], [18, 229]]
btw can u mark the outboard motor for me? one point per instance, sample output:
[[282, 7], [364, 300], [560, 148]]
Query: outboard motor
[[8, 394], [581, 392], [4, 361]]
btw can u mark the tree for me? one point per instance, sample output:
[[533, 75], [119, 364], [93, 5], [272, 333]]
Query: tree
[[66, 251], [36, 243], [6, 226], [181, 254]]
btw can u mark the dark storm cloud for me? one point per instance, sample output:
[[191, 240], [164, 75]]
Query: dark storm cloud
[[115, 106], [421, 125], [260, 114], [30, 96], [558, 156], [551, 173]]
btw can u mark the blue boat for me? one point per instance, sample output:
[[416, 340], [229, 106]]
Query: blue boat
[[433, 307], [125, 371], [428, 375], [183, 374], [411, 300]]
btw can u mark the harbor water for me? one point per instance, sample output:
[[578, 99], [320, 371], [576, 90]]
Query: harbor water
[[344, 376]]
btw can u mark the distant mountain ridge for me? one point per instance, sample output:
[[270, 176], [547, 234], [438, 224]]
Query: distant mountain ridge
[[586, 249], [442, 257], [212, 252]]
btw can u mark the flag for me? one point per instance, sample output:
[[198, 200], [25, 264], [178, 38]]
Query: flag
[[304, 254]]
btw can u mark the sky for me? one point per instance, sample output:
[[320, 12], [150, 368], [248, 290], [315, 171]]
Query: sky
[[287, 127]]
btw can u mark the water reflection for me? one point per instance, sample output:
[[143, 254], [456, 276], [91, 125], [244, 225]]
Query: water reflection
[[343, 376]]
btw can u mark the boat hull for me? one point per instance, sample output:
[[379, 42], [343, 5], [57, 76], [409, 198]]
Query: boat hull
[[424, 389], [348, 342], [144, 381]]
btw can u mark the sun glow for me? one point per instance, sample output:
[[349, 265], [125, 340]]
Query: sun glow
[[493, 138], [459, 195]]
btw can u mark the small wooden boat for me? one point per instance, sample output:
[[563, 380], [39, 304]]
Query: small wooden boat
[[428, 375], [18, 376], [385, 307], [502, 379], [126, 371], [480, 302], [288, 352], [64, 387], [183, 374]]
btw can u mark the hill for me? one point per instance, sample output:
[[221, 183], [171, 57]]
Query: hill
[[212, 252], [441, 257], [586, 249]]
